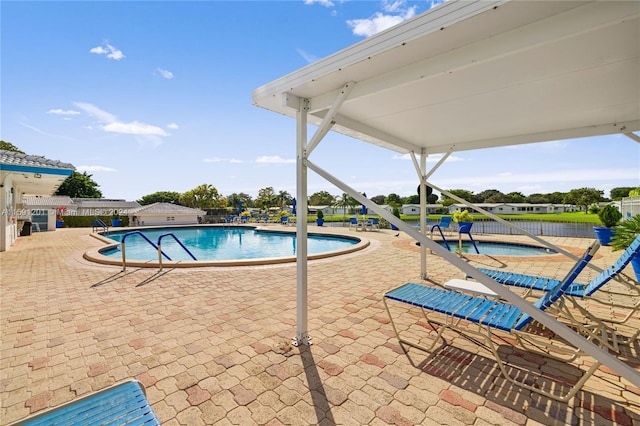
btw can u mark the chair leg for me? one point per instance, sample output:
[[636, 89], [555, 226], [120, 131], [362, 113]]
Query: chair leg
[[440, 331]]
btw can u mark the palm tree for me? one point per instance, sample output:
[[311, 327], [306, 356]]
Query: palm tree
[[284, 197], [344, 201]]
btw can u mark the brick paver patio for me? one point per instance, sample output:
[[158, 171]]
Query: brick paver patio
[[211, 345]]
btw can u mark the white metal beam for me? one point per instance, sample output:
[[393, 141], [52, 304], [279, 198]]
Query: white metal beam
[[364, 129], [329, 119], [543, 318], [302, 321]]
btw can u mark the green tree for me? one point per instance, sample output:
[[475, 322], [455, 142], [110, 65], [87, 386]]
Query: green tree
[[8, 146], [412, 199], [515, 197], [284, 198], [462, 193], [537, 199], [204, 196], [345, 202], [583, 197], [498, 197], [266, 198], [234, 200], [619, 193], [484, 196], [378, 199], [393, 200], [321, 198], [160, 197], [556, 197], [79, 185]]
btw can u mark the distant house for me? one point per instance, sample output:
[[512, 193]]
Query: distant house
[[414, 209], [326, 210], [517, 208], [164, 214]]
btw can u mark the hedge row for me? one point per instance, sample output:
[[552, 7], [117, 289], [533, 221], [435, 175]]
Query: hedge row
[[85, 221]]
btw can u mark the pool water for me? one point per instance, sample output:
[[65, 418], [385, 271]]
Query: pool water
[[500, 248], [221, 243]]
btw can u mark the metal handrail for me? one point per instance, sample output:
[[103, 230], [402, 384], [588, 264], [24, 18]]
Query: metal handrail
[[98, 223], [160, 253], [446, 244], [122, 244]]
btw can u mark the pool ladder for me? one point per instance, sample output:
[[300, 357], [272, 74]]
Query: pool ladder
[[157, 246]]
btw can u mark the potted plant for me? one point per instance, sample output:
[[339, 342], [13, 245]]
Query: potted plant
[[115, 219], [624, 234], [463, 218], [396, 213], [60, 211], [320, 219], [609, 216]]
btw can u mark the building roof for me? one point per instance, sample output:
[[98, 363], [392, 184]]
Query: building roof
[[33, 174], [166, 208], [11, 157], [105, 203], [45, 201], [450, 79]]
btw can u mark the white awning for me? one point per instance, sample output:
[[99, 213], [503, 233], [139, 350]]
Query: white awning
[[470, 75]]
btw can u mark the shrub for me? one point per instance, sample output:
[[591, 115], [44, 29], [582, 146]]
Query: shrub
[[609, 215], [320, 214], [625, 233], [462, 216]]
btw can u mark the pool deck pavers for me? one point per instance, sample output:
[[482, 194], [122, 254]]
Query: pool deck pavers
[[212, 345]]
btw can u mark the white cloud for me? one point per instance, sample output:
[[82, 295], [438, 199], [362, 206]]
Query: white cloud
[[111, 124], [164, 73], [325, 3], [95, 169], [275, 159], [397, 12], [134, 128], [221, 160], [307, 56], [172, 126], [393, 5], [95, 112], [108, 50], [63, 112]]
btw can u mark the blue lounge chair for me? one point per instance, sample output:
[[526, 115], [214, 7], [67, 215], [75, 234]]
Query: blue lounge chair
[[443, 225], [284, 220], [577, 290], [372, 223], [122, 404], [486, 315], [353, 222]]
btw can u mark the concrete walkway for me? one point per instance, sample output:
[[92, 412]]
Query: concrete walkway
[[211, 345]]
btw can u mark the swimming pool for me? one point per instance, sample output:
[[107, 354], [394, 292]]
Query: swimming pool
[[218, 245], [500, 248]]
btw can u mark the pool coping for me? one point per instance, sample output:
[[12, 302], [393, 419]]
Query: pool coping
[[551, 257], [94, 255]]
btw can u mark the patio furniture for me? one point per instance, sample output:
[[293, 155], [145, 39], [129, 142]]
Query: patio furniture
[[121, 404], [284, 220], [481, 316], [373, 223], [353, 222], [579, 290], [443, 225]]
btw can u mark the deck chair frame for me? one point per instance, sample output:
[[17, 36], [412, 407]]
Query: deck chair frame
[[444, 309]]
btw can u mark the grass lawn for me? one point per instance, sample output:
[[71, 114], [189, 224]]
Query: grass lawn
[[575, 217]]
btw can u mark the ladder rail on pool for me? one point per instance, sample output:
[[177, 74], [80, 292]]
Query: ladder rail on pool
[[160, 253], [122, 245]]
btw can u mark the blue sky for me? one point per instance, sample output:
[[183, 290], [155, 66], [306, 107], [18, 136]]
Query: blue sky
[[156, 96]]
